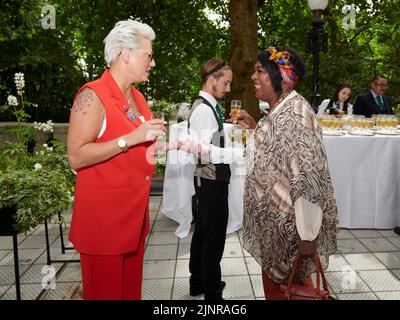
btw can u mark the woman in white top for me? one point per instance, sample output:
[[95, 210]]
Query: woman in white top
[[339, 101]]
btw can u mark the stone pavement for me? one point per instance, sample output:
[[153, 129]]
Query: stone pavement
[[366, 266]]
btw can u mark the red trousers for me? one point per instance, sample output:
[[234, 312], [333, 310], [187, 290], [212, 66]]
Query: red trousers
[[272, 289], [116, 277]]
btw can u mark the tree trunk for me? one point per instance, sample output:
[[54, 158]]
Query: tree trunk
[[243, 53]]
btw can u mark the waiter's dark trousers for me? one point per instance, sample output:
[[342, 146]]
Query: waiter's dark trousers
[[209, 235]]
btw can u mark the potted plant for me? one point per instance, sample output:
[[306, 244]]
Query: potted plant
[[33, 185]]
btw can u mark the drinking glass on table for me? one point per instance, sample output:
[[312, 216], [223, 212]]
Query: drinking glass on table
[[236, 105]]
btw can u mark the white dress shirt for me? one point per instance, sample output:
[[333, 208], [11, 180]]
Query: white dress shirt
[[324, 104], [202, 126]]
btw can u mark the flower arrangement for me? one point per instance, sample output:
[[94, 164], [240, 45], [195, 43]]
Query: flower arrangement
[[45, 127], [172, 111], [33, 185], [183, 111], [25, 134], [164, 106]]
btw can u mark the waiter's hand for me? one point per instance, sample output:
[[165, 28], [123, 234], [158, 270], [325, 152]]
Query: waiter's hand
[[189, 145], [308, 249]]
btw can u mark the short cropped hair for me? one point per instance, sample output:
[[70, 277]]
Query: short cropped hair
[[125, 34]]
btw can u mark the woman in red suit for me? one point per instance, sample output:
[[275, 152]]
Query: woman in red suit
[[110, 141]]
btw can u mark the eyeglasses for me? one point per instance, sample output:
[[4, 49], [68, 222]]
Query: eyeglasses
[[381, 85], [149, 54]]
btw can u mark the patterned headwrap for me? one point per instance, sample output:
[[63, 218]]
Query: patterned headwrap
[[281, 58]]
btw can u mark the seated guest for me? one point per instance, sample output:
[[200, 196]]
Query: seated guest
[[338, 102], [374, 101]]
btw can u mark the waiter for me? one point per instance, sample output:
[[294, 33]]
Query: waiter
[[211, 178]]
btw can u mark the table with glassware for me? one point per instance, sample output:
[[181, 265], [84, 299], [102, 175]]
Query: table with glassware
[[364, 162]]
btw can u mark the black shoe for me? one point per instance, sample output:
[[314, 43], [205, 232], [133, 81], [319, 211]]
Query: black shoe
[[198, 291], [397, 230]]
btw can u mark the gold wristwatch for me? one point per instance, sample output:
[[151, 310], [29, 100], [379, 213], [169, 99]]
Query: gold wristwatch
[[122, 145]]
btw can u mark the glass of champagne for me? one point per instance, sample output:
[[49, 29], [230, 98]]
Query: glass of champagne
[[238, 135], [161, 142], [236, 105]]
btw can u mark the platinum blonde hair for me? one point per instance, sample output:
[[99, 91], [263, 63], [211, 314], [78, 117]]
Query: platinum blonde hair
[[125, 34]]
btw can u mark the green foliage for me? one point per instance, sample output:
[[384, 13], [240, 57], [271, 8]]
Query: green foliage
[[396, 109], [354, 55], [56, 62], [46, 57], [172, 111], [36, 195], [37, 185], [161, 162], [163, 106]]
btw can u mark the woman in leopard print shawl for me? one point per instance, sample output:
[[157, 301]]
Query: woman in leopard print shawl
[[286, 165]]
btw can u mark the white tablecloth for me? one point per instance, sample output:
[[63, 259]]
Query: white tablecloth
[[179, 188], [365, 173]]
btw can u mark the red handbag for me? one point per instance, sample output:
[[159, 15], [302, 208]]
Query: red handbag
[[297, 291]]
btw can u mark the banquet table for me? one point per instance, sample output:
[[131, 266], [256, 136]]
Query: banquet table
[[365, 172]]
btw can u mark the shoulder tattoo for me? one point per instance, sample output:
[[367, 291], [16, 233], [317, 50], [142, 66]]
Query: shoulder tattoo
[[84, 100]]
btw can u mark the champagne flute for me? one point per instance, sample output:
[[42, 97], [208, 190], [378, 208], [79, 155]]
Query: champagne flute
[[161, 143], [236, 105]]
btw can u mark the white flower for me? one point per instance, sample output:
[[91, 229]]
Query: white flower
[[12, 100], [49, 149], [44, 145], [184, 110], [19, 81], [38, 166], [45, 127]]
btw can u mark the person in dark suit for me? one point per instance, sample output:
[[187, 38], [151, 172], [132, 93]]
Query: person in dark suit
[[374, 101]]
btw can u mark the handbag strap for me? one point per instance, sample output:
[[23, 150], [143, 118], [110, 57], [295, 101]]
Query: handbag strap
[[319, 273]]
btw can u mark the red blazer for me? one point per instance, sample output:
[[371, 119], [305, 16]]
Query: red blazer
[[112, 197]]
